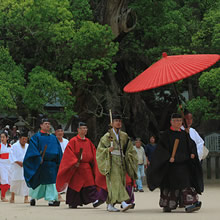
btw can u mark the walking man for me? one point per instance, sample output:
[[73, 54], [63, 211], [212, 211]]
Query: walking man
[[116, 156], [176, 170], [41, 163], [77, 170], [142, 163], [194, 134]]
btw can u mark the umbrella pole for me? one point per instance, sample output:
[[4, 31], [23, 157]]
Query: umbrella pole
[[176, 94], [180, 105]]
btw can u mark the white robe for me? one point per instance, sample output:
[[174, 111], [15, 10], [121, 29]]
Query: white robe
[[63, 144], [18, 184], [5, 165], [17, 154], [198, 140]]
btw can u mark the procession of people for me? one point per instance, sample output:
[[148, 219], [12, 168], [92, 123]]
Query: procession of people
[[49, 164]]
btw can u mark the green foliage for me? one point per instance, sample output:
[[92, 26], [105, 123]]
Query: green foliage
[[11, 81], [47, 90], [57, 36], [36, 32], [52, 42], [207, 107], [210, 82], [93, 52], [200, 108], [55, 41], [166, 26], [176, 27], [207, 38], [81, 11]]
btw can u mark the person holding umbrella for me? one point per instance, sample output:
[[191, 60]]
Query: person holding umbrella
[[193, 133], [176, 170]]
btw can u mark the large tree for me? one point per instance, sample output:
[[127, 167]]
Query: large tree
[[61, 53], [81, 53]]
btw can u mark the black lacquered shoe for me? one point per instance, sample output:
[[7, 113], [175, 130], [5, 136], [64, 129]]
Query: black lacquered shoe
[[96, 204], [194, 207], [54, 203], [166, 209], [32, 202], [133, 205], [72, 207]]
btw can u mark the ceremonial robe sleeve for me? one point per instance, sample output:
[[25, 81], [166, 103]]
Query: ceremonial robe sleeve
[[103, 155], [131, 160], [67, 167], [13, 155], [159, 163], [196, 168], [198, 140], [32, 160], [94, 164]]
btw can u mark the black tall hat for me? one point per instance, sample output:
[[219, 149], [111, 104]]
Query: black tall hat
[[23, 134], [58, 127], [186, 112], [116, 116], [81, 124], [176, 115], [44, 120]]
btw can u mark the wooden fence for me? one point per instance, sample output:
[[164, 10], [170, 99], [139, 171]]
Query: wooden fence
[[212, 165], [212, 142]]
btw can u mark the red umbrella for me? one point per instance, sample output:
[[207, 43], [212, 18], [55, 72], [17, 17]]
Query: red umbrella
[[170, 69]]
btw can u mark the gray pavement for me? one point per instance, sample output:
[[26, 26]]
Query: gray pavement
[[146, 208]]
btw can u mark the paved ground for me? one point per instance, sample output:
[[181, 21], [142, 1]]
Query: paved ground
[[146, 209]]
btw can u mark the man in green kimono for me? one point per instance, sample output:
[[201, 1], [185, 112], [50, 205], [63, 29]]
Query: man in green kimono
[[116, 156]]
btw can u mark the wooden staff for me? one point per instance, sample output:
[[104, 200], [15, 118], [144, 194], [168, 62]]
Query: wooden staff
[[110, 127], [110, 115], [80, 155], [43, 154], [181, 108], [184, 120], [175, 146]]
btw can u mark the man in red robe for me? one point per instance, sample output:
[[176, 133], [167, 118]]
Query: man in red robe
[[77, 169]]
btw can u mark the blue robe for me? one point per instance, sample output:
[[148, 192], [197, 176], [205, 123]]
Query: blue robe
[[36, 173]]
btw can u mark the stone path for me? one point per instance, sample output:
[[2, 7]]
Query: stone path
[[146, 209]]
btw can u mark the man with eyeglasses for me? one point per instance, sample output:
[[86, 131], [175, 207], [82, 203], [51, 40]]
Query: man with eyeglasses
[[77, 170], [176, 170]]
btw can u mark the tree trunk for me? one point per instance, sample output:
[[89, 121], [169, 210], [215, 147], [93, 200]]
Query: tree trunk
[[138, 120], [117, 15]]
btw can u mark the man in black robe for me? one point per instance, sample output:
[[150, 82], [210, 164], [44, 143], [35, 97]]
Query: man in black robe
[[176, 171]]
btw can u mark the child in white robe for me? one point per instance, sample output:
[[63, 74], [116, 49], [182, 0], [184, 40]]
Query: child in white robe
[[18, 184]]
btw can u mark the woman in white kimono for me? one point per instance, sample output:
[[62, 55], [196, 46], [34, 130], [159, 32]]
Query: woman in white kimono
[[18, 184], [5, 150]]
